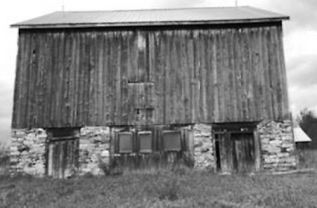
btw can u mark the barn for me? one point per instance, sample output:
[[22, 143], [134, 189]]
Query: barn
[[151, 88]]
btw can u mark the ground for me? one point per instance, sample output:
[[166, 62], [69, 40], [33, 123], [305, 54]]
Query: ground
[[178, 188]]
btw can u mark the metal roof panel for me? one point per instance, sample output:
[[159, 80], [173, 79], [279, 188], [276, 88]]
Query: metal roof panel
[[205, 15]]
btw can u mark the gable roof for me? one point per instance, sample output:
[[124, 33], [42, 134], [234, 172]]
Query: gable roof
[[185, 16]]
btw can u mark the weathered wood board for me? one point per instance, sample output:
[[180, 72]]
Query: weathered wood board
[[77, 77]]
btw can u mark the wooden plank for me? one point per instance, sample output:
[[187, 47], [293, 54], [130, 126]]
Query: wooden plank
[[265, 52], [224, 76], [209, 79], [278, 76], [80, 77], [77, 56], [220, 83], [41, 80], [215, 87], [202, 78], [194, 81], [233, 80], [283, 82], [159, 76], [23, 75], [124, 78], [50, 158], [271, 72], [166, 77], [60, 44], [91, 94], [27, 83], [72, 80], [18, 86], [249, 80], [117, 67], [87, 76], [66, 117], [172, 88], [244, 75], [187, 79], [17, 83]]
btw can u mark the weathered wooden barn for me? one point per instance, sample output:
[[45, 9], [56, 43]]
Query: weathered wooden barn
[[151, 87]]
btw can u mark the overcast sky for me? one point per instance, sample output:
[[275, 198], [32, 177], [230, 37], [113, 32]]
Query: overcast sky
[[300, 40]]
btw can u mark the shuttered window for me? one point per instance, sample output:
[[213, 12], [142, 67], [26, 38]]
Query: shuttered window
[[172, 140], [148, 142], [153, 147], [125, 142], [145, 141]]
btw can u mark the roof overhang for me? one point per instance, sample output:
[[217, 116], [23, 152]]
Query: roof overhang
[[300, 135], [155, 17]]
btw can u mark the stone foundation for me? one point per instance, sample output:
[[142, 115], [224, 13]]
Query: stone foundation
[[203, 147], [27, 151], [277, 146], [94, 150], [28, 148]]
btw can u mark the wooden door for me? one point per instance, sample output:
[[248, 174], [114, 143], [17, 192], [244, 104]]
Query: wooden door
[[223, 152], [62, 157], [243, 152], [235, 152]]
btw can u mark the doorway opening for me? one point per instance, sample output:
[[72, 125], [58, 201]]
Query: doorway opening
[[235, 147], [62, 152]]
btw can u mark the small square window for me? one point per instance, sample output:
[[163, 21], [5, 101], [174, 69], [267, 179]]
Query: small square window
[[145, 138], [172, 140], [125, 142]]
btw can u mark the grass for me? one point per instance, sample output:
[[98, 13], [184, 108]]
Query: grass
[[180, 187], [4, 159], [161, 189], [307, 158]]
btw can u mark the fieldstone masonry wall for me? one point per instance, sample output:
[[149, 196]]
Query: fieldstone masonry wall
[[28, 148], [203, 147], [277, 146], [27, 151], [94, 149]]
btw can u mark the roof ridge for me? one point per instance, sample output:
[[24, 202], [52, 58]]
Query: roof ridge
[[154, 9]]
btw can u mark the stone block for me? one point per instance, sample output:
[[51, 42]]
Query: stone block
[[27, 151], [277, 153]]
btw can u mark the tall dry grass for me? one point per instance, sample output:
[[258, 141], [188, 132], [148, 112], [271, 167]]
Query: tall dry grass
[[162, 189], [307, 158], [4, 159]]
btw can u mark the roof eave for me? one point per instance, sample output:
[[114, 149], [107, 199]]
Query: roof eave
[[137, 24]]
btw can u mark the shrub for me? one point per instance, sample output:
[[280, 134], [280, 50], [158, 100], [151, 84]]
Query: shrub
[[166, 186], [112, 168], [4, 159], [307, 158]]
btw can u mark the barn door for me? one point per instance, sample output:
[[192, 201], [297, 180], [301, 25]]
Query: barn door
[[62, 156], [235, 149], [224, 155], [243, 152]]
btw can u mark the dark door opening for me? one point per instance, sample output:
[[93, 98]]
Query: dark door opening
[[62, 153], [234, 148]]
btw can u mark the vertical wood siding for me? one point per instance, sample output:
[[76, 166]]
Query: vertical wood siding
[[68, 78]]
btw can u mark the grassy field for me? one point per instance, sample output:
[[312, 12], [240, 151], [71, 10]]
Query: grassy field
[[178, 188], [181, 188]]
